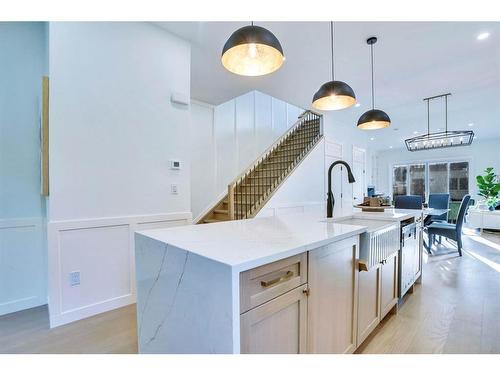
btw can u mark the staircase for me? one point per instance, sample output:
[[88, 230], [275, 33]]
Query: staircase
[[250, 191]]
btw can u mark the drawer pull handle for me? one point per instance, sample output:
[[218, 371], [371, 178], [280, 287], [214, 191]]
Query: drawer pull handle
[[362, 265], [277, 280]]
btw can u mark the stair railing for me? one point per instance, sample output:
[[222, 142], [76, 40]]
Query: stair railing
[[243, 189]]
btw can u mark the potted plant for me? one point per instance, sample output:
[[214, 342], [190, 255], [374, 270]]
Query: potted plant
[[489, 188]]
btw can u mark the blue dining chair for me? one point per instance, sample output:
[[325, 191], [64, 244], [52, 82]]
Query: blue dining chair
[[451, 231], [439, 201], [409, 202]]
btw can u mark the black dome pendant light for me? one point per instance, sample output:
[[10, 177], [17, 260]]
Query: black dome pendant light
[[333, 95], [252, 51], [374, 118]]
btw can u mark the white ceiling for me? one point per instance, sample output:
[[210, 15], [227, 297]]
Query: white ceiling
[[413, 60]]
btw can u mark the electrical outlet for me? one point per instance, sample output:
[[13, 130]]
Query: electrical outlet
[[174, 189], [74, 278]]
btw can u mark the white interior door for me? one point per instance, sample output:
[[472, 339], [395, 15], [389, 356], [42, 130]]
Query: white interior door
[[359, 172]]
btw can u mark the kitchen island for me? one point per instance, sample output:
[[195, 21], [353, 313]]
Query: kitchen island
[[276, 284]]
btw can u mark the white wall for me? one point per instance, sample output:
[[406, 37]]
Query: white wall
[[481, 154], [113, 131], [22, 246], [227, 138]]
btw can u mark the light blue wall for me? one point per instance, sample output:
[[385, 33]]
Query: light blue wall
[[23, 254], [22, 65]]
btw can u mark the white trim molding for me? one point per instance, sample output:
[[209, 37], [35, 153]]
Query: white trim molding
[[102, 252], [25, 261]]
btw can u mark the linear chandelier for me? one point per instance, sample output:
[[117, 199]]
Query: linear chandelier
[[444, 139]]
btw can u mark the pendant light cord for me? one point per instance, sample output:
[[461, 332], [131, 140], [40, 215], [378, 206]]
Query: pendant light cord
[[331, 39], [428, 119], [373, 90], [446, 113]]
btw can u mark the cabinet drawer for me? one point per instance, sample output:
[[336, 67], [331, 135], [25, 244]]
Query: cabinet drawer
[[264, 283]]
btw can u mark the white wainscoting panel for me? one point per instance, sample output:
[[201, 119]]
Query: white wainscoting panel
[[102, 250], [23, 264]]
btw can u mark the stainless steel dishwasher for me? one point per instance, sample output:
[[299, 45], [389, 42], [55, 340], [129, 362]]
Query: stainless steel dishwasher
[[410, 261]]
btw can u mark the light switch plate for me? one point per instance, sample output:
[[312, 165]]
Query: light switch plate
[[174, 189]]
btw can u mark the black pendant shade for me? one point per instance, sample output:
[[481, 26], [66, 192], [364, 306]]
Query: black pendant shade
[[374, 119], [252, 51], [333, 95]]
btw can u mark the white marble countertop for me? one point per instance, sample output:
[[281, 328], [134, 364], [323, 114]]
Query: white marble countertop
[[245, 244]]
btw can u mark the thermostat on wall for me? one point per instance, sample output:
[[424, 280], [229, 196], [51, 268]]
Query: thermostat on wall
[[175, 164]]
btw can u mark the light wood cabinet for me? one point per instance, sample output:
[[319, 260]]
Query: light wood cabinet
[[377, 295], [332, 305], [278, 326], [368, 302], [388, 284], [334, 312]]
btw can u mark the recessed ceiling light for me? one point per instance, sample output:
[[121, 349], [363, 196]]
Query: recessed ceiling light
[[372, 139], [471, 124], [357, 104], [416, 132], [483, 36], [390, 146]]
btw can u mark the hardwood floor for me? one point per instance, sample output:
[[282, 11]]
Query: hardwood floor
[[28, 332], [454, 310]]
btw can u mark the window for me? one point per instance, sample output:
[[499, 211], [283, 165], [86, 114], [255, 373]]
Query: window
[[431, 178], [438, 178], [459, 180], [417, 180], [399, 186]]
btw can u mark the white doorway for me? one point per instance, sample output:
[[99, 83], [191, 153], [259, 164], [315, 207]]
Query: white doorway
[[359, 172]]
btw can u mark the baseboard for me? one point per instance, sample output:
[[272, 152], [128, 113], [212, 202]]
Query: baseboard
[[22, 304], [102, 250], [66, 317]]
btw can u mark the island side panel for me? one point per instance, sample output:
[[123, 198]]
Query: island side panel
[[184, 301]]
